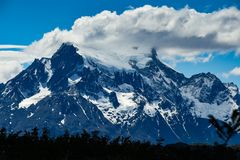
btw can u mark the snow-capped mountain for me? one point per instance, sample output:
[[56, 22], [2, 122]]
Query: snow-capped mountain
[[75, 92]]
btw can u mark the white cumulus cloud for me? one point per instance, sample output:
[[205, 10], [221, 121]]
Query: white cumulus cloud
[[9, 69], [179, 35], [11, 63], [234, 72]]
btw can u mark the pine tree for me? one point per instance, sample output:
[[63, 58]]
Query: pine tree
[[45, 134], [226, 130]]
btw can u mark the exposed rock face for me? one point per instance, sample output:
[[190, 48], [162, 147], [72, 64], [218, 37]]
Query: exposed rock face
[[69, 91]]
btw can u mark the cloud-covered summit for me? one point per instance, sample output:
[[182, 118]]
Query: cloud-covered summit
[[179, 35]]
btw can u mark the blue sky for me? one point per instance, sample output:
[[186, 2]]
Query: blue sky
[[25, 21]]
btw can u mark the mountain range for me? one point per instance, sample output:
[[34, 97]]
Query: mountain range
[[75, 92]]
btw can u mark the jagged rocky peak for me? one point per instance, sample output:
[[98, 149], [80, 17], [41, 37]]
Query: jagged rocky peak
[[65, 61], [154, 53], [65, 49], [151, 61], [206, 87], [75, 92], [207, 75], [206, 80], [154, 61], [155, 67], [67, 53], [233, 88], [27, 82]]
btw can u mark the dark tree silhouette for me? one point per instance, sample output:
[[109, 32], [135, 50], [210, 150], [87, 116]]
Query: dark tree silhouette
[[160, 141], [226, 130], [35, 134], [45, 134], [30, 145]]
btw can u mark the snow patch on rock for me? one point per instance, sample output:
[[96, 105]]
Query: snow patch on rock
[[44, 92]]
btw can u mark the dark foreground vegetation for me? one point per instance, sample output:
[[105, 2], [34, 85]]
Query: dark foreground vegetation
[[85, 146]]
